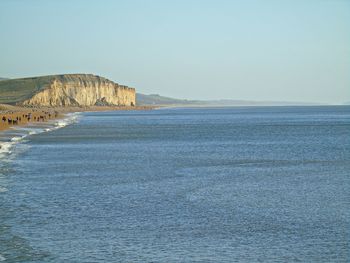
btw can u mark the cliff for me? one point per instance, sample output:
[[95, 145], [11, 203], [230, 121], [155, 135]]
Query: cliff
[[66, 90]]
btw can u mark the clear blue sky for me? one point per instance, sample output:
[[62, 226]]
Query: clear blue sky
[[297, 50]]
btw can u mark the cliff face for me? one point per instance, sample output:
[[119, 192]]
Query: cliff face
[[81, 90]]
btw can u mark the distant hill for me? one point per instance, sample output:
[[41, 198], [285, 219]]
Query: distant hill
[[155, 99], [3, 79]]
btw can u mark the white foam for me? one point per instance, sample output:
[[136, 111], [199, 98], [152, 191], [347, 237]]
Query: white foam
[[32, 132], [5, 147], [17, 138], [2, 190], [70, 118], [2, 258]]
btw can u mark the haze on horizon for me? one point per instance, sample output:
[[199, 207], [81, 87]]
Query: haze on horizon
[[249, 50]]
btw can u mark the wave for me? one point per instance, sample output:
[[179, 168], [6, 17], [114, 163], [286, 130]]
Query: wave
[[2, 258], [17, 134], [5, 147], [17, 138]]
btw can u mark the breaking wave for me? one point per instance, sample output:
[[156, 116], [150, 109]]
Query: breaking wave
[[9, 138]]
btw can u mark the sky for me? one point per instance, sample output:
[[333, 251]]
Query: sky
[[297, 50]]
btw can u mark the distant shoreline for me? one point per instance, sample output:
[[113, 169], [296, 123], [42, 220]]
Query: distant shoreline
[[43, 114]]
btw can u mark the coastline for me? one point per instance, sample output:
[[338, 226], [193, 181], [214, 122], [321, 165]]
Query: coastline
[[27, 121], [17, 116]]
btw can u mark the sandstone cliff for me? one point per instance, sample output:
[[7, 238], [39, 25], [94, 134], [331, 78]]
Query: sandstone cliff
[[67, 90], [82, 90]]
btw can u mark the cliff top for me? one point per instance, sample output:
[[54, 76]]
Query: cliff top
[[13, 91]]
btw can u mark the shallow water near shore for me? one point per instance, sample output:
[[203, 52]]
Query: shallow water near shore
[[254, 184], [9, 138]]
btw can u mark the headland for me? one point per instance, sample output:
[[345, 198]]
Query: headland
[[38, 99]]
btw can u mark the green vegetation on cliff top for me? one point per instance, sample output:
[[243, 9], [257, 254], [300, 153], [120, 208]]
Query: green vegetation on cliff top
[[13, 91]]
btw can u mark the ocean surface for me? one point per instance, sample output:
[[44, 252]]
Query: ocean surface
[[253, 184]]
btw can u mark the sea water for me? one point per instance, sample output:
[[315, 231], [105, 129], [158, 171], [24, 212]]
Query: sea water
[[254, 184]]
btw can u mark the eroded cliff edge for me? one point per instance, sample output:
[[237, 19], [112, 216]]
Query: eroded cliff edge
[[67, 90]]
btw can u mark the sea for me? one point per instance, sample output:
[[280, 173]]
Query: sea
[[239, 184]]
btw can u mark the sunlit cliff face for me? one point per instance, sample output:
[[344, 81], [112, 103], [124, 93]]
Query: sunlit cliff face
[[83, 90]]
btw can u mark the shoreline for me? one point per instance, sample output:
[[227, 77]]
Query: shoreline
[[16, 123], [17, 116]]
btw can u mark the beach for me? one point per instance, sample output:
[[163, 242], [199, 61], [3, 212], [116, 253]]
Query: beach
[[14, 116], [18, 116]]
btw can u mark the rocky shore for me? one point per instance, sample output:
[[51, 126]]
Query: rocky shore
[[11, 116]]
